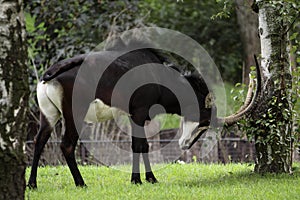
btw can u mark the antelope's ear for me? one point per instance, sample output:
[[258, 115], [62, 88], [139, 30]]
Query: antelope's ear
[[209, 100], [47, 76]]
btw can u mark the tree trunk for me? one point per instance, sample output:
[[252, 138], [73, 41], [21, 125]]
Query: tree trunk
[[274, 127], [14, 92], [248, 23]]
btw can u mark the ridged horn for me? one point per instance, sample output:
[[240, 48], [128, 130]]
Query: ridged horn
[[250, 102]]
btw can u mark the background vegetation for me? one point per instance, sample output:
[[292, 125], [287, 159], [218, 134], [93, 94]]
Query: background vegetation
[[58, 30], [61, 29]]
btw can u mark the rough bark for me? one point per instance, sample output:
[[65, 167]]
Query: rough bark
[[13, 99], [248, 23], [273, 129]]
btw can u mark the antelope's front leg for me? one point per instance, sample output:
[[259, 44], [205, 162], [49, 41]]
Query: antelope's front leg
[[149, 174], [135, 175], [140, 146]]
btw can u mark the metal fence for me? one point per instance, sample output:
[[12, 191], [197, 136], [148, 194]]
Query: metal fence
[[107, 144], [164, 148]]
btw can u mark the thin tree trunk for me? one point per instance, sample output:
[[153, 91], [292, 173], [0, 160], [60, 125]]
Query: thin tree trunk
[[14, 94], [248, 23], [273, 135]]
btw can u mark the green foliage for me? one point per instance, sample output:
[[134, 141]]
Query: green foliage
[[294, 39], [296, 103], [168, 121], [226, 11], [238, 94], [62, 29], [220, 37], [275, 123], [59, 29], [176, 181], [65, 28]]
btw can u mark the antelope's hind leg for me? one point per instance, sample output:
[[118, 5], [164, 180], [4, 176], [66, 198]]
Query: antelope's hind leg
[[68, 145], [40, 141], [49, 115]]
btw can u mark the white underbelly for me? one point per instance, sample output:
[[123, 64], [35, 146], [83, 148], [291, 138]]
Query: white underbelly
[[100, 112]]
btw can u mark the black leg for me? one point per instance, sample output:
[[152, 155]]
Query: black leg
[[135, 175], [69, 153], [40, 141], [140, 146], [149, 174], [68, 146]]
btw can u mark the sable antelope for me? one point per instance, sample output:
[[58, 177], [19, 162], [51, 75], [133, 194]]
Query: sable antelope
[[55, 99]]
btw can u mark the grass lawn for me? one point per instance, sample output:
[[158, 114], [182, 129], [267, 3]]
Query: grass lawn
[[176, 181]]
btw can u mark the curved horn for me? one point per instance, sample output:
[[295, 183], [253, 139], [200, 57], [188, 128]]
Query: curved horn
[[249, 96], [250, 103]]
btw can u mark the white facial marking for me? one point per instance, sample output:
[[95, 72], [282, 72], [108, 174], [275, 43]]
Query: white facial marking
[[186, 128]]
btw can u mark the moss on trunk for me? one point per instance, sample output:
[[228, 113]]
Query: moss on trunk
[[14, 92], [273, 129]]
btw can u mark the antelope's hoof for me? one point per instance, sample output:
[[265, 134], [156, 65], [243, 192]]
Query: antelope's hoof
[[32, 185], [82, 185], [136, 178], [136, 181], [151, 178]]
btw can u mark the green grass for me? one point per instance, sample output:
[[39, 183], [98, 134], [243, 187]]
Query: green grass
[[188, 181]]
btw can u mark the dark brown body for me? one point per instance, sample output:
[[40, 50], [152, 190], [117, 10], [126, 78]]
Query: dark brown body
[[140, 101]]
